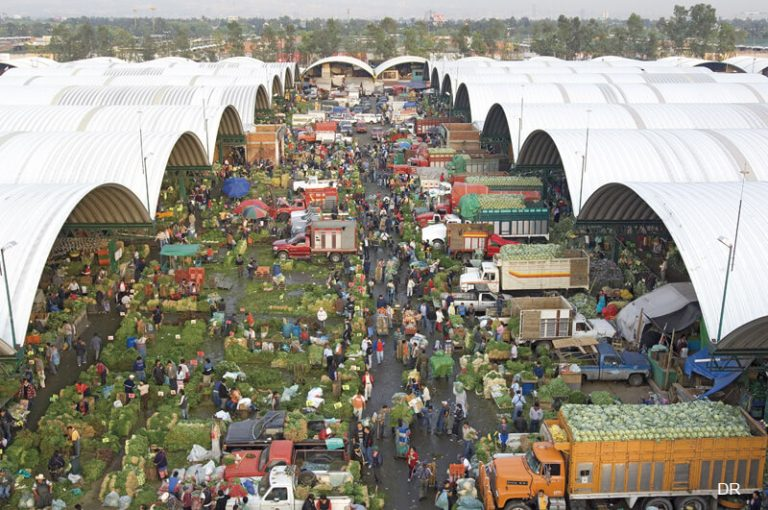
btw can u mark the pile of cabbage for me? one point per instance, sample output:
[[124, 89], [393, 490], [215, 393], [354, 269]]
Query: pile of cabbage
[[676, 421]]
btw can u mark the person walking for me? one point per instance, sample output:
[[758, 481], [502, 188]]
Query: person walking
[[368, 385], [469, 435], [183, 405], [80, 352], [412, 459], [139, 369], [458, 418], [441, 426], [358, 405], [42, 492], [379, 351], [161, 463], [40, 371], [309, 503], [503, 434], [96, 346], [382, 421], [518, 401], [536, 414], [102, 371], [376, 462]]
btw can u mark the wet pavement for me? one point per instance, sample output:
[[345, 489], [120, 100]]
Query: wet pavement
[[399, 493]]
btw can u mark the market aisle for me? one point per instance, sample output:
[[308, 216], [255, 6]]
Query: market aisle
[[398, 492]]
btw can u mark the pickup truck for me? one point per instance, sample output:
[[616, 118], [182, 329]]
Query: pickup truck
[[332, 238], [481, 301], [257, 463], [377, 134], [432, 218], [464, 239], [313, 182], [278, 492], [609, 365]]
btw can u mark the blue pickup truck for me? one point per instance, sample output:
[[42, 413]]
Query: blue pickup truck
[[609, 365]]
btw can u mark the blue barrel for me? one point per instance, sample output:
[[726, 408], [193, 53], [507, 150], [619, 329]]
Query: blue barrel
[[296, 331], [130, 342], [287, 328], [528, 387]]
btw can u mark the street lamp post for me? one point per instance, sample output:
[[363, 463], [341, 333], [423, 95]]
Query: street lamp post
[[520, 122], [8, 290], [744, 174], [584, 161], [724, 241]]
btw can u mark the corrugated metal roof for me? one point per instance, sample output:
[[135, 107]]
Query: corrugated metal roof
[[343, 59], [34, 225], [641, 155], [81, 158], [713, 209], [750, 64], [504, 119], [393, 62]]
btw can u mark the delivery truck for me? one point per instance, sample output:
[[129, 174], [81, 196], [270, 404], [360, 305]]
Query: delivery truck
[[460, 188], [277, 491], [509, 214], [543, 319], [332, 238], [515, 268], [464, 239], [676, 457]]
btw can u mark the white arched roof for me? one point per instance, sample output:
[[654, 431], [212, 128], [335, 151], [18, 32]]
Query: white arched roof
[[397, 61], [242, 61], [34, 225], [696, 214], [504, 119], [750, 64], [245, 98], [222, 120], [642, 155], [343, 59], [479, 97], [30, 62], [82, 158]]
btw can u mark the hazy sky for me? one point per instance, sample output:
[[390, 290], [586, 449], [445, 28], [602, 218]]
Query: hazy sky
[[366, 8]]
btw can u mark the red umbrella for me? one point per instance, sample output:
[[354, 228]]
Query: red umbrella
[[254, 213], [251, 202]]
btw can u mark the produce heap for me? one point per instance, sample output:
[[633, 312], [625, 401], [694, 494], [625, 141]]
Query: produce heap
[[505, 181], [511, 252], [698, 419]]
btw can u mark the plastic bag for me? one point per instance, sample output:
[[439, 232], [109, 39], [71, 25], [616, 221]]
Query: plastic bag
[[125, 503], [27, 500], [469, 503], [289, 393], [223, 416], [58, 504], [74, 479], [198, 454], [112, 500], [218, 474]]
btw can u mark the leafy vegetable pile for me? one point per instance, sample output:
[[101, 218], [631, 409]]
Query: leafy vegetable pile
[[504, 181], [676, 421], [511, 252]]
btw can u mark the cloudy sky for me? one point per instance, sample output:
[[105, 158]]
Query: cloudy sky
[[366, 8]]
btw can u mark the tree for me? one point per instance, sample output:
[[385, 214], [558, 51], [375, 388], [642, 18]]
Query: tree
[[234, 38], [545, 40], [636, 35], [290, 39], [416, 40], [676, 28], [181, 44], [703, 29], [148, 47], [269, 39], [727, 37], [460, 38]]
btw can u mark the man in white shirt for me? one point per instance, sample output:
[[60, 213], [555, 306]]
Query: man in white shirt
[[519, 402], [513, 351]]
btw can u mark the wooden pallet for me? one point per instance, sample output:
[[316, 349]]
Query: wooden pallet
[[584, 345]]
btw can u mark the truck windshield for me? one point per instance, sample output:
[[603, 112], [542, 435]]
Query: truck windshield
[[263, 485], [263, 459], [533, 463]]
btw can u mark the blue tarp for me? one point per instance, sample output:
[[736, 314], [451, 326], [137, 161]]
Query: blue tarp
[[418, 85], [727, 371], [236, 187]]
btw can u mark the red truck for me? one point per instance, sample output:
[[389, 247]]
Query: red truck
[[332, 238], [324, 198], [461, 188], [281, 452]]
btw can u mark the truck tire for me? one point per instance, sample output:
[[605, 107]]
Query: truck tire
[[438, 244], [282, 255], [636, 379], [691, 503], [660, 503], [335, 257], [516, 505], [283, 217]]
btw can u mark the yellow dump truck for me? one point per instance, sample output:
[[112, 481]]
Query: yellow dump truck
[[655, 463]]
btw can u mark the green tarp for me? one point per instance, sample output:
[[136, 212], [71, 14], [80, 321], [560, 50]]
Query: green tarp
[[180, 250]]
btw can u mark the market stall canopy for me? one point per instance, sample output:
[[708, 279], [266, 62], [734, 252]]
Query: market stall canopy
[[722, 371], [236, 187], [180, 250], [672, 307]]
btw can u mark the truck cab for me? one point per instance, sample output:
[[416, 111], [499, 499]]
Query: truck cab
[[432, 218], [278, 492], [513, 481], [294, 247], [610, 365], [486, 274], [256, 463]]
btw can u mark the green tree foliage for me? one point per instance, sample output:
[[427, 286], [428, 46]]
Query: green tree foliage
[[382, 38], [234, 38], [460, 38], [417, 40]]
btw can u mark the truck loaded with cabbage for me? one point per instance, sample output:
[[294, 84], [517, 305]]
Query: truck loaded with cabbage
[[672, 457]]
